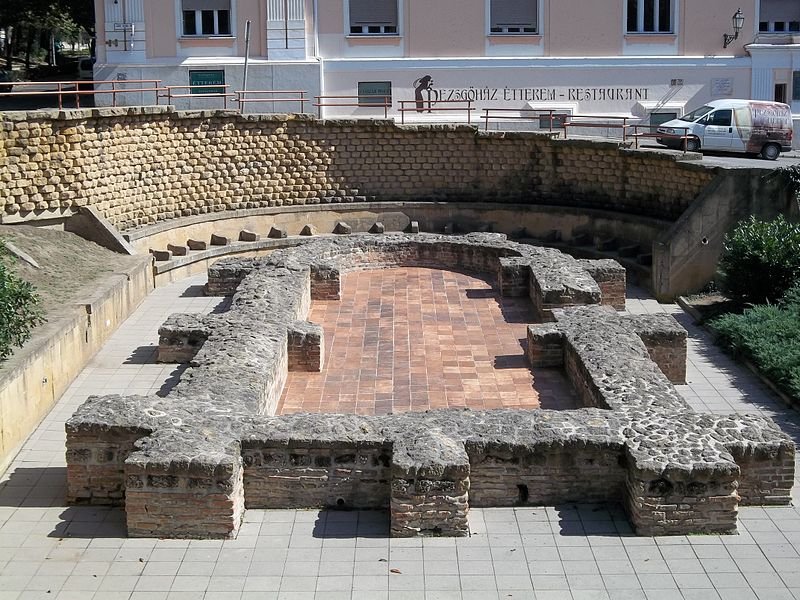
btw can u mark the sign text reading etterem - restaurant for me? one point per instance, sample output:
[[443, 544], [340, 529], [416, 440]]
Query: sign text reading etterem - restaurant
[[538, 94]]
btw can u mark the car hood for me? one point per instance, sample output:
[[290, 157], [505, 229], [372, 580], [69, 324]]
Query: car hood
[[676, 123]]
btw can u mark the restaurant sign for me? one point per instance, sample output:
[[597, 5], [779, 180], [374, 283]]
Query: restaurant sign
[[425, 92]]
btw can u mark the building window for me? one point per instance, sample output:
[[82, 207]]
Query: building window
[[373, 17], [779, 16], [514, 16], [649, 16], [206, 17]]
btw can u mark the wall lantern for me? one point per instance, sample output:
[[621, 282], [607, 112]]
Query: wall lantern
[[738, 23]]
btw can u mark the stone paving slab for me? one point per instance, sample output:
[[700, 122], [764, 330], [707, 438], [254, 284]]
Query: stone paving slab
[[569, 552]]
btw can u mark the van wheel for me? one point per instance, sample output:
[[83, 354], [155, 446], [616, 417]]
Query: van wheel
[[770, 152], [691, 145]]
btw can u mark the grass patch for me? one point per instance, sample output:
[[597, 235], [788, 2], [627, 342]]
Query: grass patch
[[769, 336]]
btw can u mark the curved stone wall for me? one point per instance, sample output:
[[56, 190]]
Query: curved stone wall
[[139, 166]]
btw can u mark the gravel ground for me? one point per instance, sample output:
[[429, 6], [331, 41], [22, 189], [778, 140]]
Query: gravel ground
[[70, 270], [70, 267]]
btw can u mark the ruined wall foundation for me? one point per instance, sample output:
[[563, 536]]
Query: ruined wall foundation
[[636, 442]]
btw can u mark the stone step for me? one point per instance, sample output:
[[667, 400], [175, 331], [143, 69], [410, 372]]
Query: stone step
[[197, 244], [342, 228], [554, 235], [629, 251], [161, 255], [607, 244], [178, 250], [582, 239], [277, 232]]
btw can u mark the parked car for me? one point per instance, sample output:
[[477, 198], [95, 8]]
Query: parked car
[[745, 126], [86, 68], [5, 82]]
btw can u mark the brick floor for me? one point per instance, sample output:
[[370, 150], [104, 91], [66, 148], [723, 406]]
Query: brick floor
[[417, 339]]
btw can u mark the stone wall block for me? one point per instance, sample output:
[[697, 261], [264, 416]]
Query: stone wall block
[[180, 337], [660, 505], [306, 346], [513, 276], [611, 278], [172, 501], [545, 346], [665, 340], [325, 282]]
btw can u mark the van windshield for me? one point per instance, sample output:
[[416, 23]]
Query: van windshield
[[696, 114]]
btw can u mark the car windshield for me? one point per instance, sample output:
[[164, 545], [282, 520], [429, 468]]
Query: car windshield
[[696, 114]]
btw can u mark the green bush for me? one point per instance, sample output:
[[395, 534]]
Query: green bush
[[760, 260], [20, 311], [768, 335]]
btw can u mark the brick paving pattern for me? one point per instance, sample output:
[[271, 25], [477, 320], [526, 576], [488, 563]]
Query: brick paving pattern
[[417, 339], [569, 552]]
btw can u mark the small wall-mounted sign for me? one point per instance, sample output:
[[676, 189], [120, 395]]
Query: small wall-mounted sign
[[206, 78], [722, 86], [123, 27]]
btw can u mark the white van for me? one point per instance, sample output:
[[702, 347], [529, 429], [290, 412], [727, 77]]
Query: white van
[[748, 126]]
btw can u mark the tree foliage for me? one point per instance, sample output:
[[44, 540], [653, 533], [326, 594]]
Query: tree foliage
[[20, 309], [27, 22]]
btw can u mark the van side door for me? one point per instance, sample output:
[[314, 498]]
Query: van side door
[[719, 130]]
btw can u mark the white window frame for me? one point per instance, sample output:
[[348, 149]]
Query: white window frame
[[640, 5], [382, 33], [787, 27], [539, 8], [199, 24]]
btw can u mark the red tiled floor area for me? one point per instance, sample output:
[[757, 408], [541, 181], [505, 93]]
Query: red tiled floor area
[[417, 339]]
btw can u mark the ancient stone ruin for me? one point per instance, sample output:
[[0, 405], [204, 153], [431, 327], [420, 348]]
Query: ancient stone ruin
[[189, 464]]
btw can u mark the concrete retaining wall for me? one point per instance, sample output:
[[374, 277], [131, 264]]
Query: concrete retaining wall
[[37, 375]]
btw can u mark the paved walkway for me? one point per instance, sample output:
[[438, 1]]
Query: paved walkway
[[569, 552]]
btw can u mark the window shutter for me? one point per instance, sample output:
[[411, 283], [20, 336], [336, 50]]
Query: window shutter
[[513, 12], [777, 10], [376, 12], [206, 4]]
